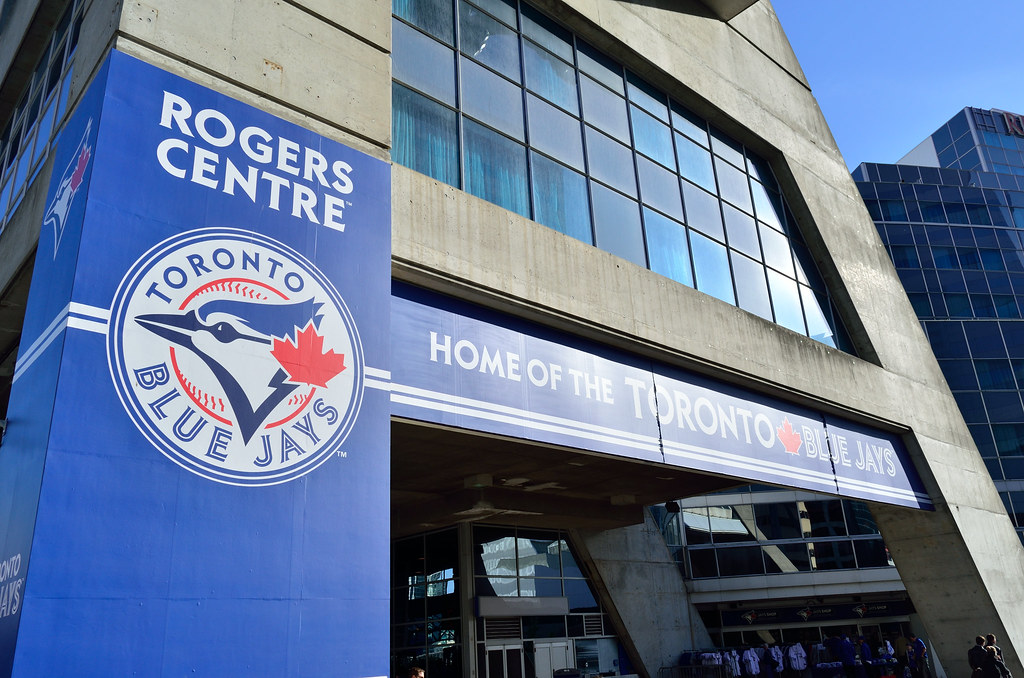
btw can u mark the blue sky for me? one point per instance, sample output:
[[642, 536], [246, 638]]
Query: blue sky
[[887, 73]]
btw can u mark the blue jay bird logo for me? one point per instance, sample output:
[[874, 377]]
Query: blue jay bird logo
[[56, 215], [235, 356]]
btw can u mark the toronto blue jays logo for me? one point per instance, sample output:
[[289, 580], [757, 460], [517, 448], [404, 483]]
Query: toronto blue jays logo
[[235, 356], [56, 216]]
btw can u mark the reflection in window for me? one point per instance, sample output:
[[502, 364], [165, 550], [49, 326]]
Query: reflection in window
[[489, 107]]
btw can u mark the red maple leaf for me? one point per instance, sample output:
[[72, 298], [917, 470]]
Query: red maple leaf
[[305, 360], [789, 437], [79, 174]]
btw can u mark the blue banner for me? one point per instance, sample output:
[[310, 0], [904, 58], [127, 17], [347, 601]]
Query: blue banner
[[464, 366], [210, 314]]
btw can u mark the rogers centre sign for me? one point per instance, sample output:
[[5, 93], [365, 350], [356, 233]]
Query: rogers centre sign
[[1014, 122]]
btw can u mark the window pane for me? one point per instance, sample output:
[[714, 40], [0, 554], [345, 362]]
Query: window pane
[[765, 205], [495, 168], [555, 132], [604, 109], [689, 124], [503, 9], [703, 563], [423, 63], [497, 586], [660, 188], [711, 266], [617, 225], [858, 518], [818, 326], [871, 553], [832, 555], [545, 32], [743, 560], [703, 211], [487, 41], [726, 148], [424, 136], [667, 249], [732, 523], [826, 518], [491, 99], [646, 96], [560, 199], [494, 551], [652, 137], [538, 557], [778, 521], [433, 16], [732, 185], [695, 163], [786, 302], [550, 77], [777, 252], [751, 286], [610, 162], [741, 231], [530, 587], [697, 525], [779, 558], [600, 67], [580, 597]]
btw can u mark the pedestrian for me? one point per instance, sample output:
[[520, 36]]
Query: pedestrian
[[976, 656], [993, 666], [917, 655], [416, 672], [990, 641]]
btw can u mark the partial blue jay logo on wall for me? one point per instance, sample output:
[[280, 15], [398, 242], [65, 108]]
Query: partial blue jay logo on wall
[[56, 216], [235, 356]]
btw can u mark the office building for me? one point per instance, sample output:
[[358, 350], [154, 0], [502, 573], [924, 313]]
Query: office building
[[294, 290], [950, 214]]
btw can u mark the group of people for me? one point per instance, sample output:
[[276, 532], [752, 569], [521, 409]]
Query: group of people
[[986, 659]]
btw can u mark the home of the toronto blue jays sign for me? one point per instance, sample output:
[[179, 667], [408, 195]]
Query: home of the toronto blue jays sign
[[197, 460]]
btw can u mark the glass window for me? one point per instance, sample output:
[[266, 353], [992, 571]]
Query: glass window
[[551, 77], [604, 109], [697, 525], [818, 326], [546, 33], [994, 374], [741, 231], [538, 556], [786, 302], [781, 558], [826, 518], [425, 134], [660, 188], [652, 137], [832, 555], [495, 168], [423, 63], [581, 599], [765, 206], [491, 99], [503, 9], [778, 521], [695, 163], [871, 553], [726, 148], [646, 96], [777, 252], [703, 563], [610, 162], [555, 132], [434, 16], [703, 211], [560, 199], [711, 268], [740, 560], [732, 523], [733, 185], [487, 41], [617, 225], [691, 125], [858, 518], [751, 286], [667, 248]]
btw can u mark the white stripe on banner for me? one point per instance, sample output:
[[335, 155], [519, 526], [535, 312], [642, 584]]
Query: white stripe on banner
[[43, 342], [92, 312], [88, 325], [754, 469]]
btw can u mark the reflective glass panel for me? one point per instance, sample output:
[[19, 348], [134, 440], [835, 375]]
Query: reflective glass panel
[[652, 137], [604, 109], [703, 211], [617, 225], [695, 163], [560, 199], [826, 518], [555, 132], [545, 32], [660, 188], [711, 267], [697, 525], [538, 557], [425, 134], [832, 555], [733, 186], [667, 248], [610, 162], [489, 42], [741, 560], [781, 558], [751, 286], [786, 301], [423, 63], [491, 99], [732, 523], [741, 231], [495, 168], [778, 521], [434, 16], [551, 77]]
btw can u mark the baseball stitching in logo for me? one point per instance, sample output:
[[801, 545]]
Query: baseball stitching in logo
[[235, 356]]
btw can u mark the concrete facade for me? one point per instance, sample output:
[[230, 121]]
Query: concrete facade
[[326, 66]]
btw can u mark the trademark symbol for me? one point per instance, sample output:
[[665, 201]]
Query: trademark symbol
[[342, 453]]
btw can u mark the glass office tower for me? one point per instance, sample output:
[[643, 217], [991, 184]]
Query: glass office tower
[[950, 214]]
